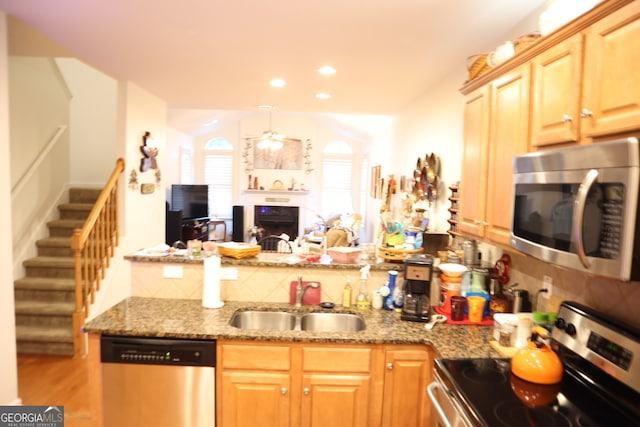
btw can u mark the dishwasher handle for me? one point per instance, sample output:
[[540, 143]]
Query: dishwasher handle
[[434, 400]]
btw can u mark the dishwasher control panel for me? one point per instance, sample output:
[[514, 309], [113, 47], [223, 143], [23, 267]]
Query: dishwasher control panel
[[157, 351]]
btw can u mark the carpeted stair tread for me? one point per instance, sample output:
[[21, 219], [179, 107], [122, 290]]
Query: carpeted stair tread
[[45, 284], [44, 308], [84, 195], [38, 333], [55, 242], [66, 223], [50, 261]]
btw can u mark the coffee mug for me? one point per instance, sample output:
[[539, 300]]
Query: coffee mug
[[458, 303], [476, 308]]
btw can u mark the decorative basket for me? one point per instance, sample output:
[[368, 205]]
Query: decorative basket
[[396, 254], [477, 65], [238, 250], [523, 42]]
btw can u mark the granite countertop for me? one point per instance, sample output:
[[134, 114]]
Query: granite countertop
[[186, 318], [262, 260]]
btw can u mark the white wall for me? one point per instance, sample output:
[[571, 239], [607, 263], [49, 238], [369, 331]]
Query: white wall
[[92, 122], [9, 383]]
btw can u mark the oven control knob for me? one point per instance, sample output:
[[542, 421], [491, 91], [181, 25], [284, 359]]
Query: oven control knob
[[560, 323], [571, 330]]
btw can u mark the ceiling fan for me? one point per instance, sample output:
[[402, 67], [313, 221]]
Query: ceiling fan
[[271, 139]]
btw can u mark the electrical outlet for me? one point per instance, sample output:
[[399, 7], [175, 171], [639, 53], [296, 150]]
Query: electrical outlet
[[547, 283]]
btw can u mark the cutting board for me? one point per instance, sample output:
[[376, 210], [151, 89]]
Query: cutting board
[[311, 296]]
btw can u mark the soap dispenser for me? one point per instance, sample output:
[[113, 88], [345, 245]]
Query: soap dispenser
[[363, 301]]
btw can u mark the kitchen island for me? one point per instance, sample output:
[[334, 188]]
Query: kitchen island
[[375, 374], [186, 318]]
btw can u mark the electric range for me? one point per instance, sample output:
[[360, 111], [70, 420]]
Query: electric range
[[600, 384]]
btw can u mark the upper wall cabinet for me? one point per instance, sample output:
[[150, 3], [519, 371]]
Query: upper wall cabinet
[[587, 85], [611, 98], [495, 129]]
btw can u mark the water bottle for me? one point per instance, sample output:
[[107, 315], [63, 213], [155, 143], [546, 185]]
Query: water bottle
[[388, 300]]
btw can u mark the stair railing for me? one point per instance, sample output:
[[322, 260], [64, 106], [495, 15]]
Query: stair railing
[[93, 247]]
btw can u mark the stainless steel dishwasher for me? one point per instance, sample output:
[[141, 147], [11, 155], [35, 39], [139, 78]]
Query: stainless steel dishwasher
[[158, 382]]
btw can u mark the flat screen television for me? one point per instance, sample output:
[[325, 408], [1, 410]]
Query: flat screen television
[[192, 200]]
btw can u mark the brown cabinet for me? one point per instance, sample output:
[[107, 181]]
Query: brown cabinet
[[292, 384], [587, 86], [408, 372], [496, 127], [254, 383], [296, 384]]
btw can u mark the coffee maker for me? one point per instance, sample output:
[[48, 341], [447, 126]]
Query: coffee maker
[[418, 270]]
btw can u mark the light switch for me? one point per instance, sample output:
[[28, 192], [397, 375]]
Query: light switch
[[229, 273], [172, 272]]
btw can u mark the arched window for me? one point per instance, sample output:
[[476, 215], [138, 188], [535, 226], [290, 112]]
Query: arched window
[[218, 173]]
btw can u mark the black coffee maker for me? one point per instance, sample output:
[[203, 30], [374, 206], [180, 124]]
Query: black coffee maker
[[418, 270]]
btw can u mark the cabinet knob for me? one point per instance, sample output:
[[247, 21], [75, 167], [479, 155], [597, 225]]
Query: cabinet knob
[[283, 390], [306, 391], [476, 222], [586, 113], [485, 223], [566, 118], [390, 366]]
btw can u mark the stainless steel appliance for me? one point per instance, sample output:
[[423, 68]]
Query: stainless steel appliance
[[600, 384], [418, 271], [158, 382], [578, 207]]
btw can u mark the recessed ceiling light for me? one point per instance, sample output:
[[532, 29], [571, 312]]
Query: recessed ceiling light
[[277, 83], [323, 96], [210, 122], [327, 70]]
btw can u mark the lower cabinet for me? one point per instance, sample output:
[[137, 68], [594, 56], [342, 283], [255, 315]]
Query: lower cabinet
[[408, 372], [294, 384]]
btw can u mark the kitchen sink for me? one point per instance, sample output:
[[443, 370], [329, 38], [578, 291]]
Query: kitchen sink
[[332, 322], [287, 321], [272, 320]]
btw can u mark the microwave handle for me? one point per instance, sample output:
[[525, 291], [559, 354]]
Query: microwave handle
[[578, 214]]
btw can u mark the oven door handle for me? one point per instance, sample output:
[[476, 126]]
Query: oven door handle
[[578, 214], [434, 400]]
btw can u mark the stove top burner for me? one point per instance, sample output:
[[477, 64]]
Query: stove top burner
[[510, 413], [483, 371]]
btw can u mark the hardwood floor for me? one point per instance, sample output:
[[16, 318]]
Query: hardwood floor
[[57, 380]]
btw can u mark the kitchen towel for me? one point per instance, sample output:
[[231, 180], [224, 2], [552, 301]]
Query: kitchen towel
[[211, 285]]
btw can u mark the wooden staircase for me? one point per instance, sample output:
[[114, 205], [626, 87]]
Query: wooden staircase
[[45, 297]]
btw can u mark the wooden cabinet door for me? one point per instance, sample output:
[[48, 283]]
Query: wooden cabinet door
[[253, 398], [508, 137], [555, 113], [612, 73], [474, 171], [408, 372], [335, 400]]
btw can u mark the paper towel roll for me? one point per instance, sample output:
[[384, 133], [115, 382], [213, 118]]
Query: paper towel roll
[[211, 285]]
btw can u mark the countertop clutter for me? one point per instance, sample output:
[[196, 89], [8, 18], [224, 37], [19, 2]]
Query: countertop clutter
[[184, 318]]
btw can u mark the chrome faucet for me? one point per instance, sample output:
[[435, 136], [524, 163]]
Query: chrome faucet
[[300, 290]]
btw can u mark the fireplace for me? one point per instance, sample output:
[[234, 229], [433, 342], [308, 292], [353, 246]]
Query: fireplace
[[275, 220]]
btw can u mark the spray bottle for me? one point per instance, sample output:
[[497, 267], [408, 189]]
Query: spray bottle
[[362, 301]]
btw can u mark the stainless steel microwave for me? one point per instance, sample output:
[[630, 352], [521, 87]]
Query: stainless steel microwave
[[577, 207]]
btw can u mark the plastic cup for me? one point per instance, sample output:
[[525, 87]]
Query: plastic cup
[[458, 303], [476, 308]]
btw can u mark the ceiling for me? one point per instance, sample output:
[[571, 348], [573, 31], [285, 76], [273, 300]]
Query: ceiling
[[203, 55]]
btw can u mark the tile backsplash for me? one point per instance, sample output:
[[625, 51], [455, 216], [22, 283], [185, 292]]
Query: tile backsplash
[[620, 300]]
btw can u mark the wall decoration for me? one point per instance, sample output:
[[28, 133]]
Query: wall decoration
[[149, 150], [147, 188], [288, 157], [133, 180]]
